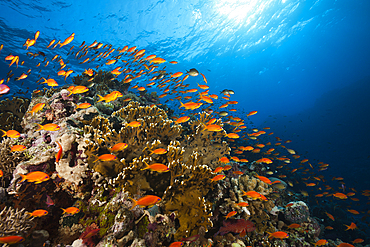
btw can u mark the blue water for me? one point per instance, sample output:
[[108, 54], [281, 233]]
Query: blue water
[[303, 65]]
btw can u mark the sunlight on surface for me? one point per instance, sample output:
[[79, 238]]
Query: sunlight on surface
[[237, 10]]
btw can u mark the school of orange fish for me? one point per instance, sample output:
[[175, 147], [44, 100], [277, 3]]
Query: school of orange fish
[[148, 74]]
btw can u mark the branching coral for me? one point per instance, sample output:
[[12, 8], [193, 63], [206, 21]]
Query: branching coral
[[15, 222]]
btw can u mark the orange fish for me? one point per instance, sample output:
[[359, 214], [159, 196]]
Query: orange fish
[[243, 204], [252, 194], [48, 127], [145, 201], [218, 177], [292, 226], [190, 105], [59, 154], [38, 213], [67, 40], [77, 90], [340, 195], [358, 240], [119, 147], [352, 211], [157, 167], [264, 179], [227, 167], [37, 177], [251, 113], [18, 148], [182, 119], [157, 60], [330, 216], [159, 151], [37, 107], [218, 169], [224, 160], [351, 227], [176, 244], [4, 89], [1, 173], [213, 127], [83, 106], [232, 213], [11, 133], [238, 172], [134, 124], [345, 245], [321, 242], [106, 157], [110, 97], [178, 74], [70, 210], [11, 239], [232, 135], [278, 234], [50, 82]]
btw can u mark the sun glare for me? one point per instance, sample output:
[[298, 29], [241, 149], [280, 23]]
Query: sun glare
[[237, 10]]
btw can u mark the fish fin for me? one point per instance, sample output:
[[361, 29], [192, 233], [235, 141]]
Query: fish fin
[[146, 166], [101, 98], [134, 203], [24, 177], [243, 233], [40, 127]]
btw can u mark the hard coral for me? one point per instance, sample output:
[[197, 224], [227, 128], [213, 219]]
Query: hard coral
[[12, 112], [15, 222]]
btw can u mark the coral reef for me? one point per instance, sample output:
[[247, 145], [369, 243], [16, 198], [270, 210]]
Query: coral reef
[[12, 112], [15, 222]]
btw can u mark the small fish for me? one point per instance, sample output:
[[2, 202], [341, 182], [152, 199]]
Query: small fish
[[251, 113], [292, 226], [36, 177], [182, 119], [18, 148], [192, 72], [321, 242], [176, 244], [224, 160], [59, 154], [119, 147], [145, 201], [11, 239], [77, 90], [1, 173], [330, 216], [38, 213], [340, 195], [11, 133], [159, 151], [156, 167], [242, 204], [134, 124], [213, 127], [106, 157], [70, 210], [218, 177], [67, 40], [83, 106], [278, 234], [178, 74], [345, 245], [48, 127], [49, 201], [190, 105], [110, 97], [232, 213], [351, 227], [37, 107]]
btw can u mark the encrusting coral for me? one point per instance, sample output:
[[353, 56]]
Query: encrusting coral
[[12, 112]]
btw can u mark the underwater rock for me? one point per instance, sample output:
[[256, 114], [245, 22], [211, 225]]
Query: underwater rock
[[298, 212]]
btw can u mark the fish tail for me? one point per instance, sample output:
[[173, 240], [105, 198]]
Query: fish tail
[[64, 211], [24, 177], [40, 127], [182, 105], [101, 98], [4, 133], [146, 166], [134, 203]]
